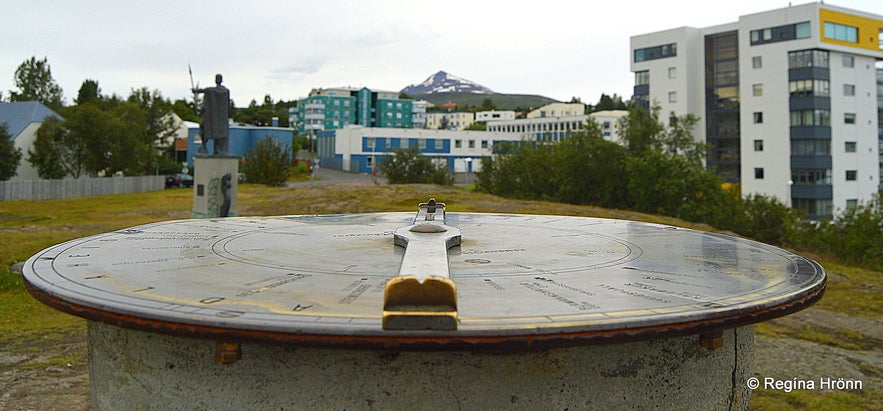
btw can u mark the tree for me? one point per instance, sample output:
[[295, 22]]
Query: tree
[[10, 155], [488, 105], [641, 130], [89, 91], [408, 166], [268, 162], [52, 154], [35, 83]]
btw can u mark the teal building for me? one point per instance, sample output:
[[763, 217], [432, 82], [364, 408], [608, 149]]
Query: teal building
[[336, 108]]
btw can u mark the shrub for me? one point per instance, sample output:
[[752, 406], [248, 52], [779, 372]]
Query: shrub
[[268, 163]]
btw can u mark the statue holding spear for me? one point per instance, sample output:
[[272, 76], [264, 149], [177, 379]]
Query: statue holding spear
[[214, 115]]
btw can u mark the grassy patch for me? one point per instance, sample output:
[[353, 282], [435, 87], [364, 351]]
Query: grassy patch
[[853, 291], [866, 399], [30, 226]]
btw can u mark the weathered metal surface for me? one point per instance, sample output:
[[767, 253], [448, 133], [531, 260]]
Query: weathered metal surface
[[521, 280]]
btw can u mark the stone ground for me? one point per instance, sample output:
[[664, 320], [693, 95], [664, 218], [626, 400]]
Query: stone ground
[[28, 383]]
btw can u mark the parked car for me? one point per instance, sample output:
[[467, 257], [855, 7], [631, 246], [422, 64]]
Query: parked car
[[179, 180]]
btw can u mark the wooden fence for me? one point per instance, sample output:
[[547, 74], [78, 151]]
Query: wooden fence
[[79, 187]]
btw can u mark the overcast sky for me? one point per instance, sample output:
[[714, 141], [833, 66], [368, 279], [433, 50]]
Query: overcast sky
[[558, 49]]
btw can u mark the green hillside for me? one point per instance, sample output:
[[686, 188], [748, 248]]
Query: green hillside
[[502, 101]]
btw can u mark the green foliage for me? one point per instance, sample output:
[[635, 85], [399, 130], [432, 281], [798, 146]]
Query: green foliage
[[10, 156], [268, 163], [262, 114], [103, 136], [35, 83], [659, 171], [765, 219], [855, 235], [89, 91], [488, 104], [477, 126], [409, 166], [52, 154]]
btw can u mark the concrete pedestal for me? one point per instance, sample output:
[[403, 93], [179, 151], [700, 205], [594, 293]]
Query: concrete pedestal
[[215, 184], [140, 370]]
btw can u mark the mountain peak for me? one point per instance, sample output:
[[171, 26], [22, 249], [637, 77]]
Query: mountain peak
[[442, 82]]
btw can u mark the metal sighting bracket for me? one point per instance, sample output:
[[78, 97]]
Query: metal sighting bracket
[[423, 296]]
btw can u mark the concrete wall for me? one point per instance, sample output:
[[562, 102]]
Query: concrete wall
[[80, 187]]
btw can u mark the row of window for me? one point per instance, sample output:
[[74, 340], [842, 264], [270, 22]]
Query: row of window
[[656, 52], [422, 143], [811, 147], [809, 118], [810, 176], [781, 33]]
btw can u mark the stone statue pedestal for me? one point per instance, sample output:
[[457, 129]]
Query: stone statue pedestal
[[215, 184]]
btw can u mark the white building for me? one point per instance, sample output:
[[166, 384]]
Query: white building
[[559, 110], [22, 120], [361, 149], [560, 128], [787, 100], [495, 115]]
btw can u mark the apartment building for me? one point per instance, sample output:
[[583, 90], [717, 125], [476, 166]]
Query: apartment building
[[788, 100], [334, 108]]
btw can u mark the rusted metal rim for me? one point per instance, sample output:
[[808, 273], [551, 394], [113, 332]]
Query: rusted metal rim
[[433, 341]]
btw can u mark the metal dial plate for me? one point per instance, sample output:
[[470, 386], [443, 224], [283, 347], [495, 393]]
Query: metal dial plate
[[519, 278]]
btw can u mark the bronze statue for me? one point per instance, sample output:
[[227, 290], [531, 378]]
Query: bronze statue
[[215, 116]]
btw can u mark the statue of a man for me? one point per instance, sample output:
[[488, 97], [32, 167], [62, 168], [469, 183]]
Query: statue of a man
[[215, 117]]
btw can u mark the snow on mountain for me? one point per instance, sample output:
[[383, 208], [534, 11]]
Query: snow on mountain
[[443, 82]]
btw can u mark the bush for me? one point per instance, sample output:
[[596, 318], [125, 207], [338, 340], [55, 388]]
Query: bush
[[268, 163], [411, 167]]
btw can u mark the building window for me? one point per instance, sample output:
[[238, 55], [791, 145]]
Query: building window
[[757, 62], [851, 204], [851, 175], [656, 52], [807, 58], [848, 61], [672, 96], [810, 147], [850, 147], [439, 144], [810, 118], [841, 32], [758, 173], [404, 143], [811, 176], [483, 143], [810, 88], [758, 117], [849, 89], [757, 90], [642, 78], [458, 143], [421, 144], [849, 118], [672, 72], [471, 143], [781, 33], [758, 145]]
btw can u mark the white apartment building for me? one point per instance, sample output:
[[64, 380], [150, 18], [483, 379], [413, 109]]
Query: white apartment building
[[560, 128], [787, 99]]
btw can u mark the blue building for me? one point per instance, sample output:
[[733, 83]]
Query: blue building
[[362, 149], [242, 138]]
